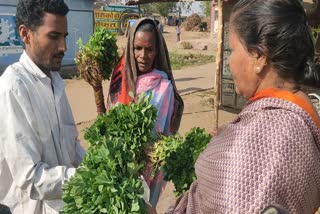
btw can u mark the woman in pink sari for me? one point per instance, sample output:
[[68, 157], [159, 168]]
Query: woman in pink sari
[[270, 154], [145, 68]]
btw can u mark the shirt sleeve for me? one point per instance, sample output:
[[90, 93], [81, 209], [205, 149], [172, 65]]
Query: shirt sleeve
[[80, 152], [22, 148]]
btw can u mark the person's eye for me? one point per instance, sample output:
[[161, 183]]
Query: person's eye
[[53, 36]]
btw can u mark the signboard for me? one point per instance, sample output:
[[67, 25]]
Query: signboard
[[100, 14], [226, 72], [119, 8], [228, 95], [115, 18], [10, 42], [112, 26]]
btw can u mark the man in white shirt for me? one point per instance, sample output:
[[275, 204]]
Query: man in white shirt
[[39, 150]]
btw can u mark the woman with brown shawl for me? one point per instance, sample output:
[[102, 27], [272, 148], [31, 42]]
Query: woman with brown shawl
[[269, 154], [145, 68]]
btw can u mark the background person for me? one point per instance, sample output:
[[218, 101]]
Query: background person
[[178, 32]]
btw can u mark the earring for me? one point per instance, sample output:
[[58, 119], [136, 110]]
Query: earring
[[258, 69]]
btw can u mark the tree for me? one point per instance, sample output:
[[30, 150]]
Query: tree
[[147, 8], [206, 7], [164, 8]]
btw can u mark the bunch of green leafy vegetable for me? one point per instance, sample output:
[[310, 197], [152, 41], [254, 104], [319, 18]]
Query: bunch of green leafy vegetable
[[96, 60], [107, 180], [177, 157]]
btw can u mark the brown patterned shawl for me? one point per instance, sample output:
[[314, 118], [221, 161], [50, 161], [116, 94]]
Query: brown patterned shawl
[[270, 154]]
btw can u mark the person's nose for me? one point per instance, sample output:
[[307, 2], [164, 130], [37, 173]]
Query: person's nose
[[143, 53], [63, 45]]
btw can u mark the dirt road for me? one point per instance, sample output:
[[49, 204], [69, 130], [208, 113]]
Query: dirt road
[[188, 80]]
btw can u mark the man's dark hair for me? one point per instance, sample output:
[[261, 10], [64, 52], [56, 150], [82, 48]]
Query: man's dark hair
[[4, 209], [30, 12]]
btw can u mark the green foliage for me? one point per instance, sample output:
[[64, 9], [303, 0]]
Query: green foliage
[[164, 8], [206, 8], [101, 48], [177, 156], [179, 61], [163, 148], [146, 8], [107, 180]]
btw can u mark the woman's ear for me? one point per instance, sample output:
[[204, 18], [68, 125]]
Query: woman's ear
[[260, 61]]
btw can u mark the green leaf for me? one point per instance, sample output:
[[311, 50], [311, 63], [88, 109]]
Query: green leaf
[[135, 207], [108, 178], [103, 210], [100, 188]]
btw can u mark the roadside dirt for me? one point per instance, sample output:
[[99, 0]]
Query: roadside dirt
[[195, 38]]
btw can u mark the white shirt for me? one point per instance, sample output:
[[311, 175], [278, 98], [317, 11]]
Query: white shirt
[[178, 30], [38, 139]]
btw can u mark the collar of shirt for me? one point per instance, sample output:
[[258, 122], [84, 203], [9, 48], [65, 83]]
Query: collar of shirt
[[30, 66], [56, 81]]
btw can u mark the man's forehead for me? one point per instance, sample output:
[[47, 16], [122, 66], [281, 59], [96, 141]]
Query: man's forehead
[[54, 23], [54, 20]]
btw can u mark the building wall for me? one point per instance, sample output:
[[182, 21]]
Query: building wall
[[80, 25]]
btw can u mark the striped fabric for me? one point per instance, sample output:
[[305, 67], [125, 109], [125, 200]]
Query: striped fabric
[[157, 85]]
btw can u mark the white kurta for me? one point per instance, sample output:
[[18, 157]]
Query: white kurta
[[38, 139]]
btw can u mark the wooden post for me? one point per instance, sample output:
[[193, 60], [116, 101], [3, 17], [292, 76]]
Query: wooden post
[[213, 17], [219, 59]]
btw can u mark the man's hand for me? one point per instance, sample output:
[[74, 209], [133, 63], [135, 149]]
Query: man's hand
[[151, 210]]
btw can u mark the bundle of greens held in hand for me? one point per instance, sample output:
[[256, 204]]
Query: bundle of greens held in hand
[[107, 180], [96, 60], [177, 157]]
